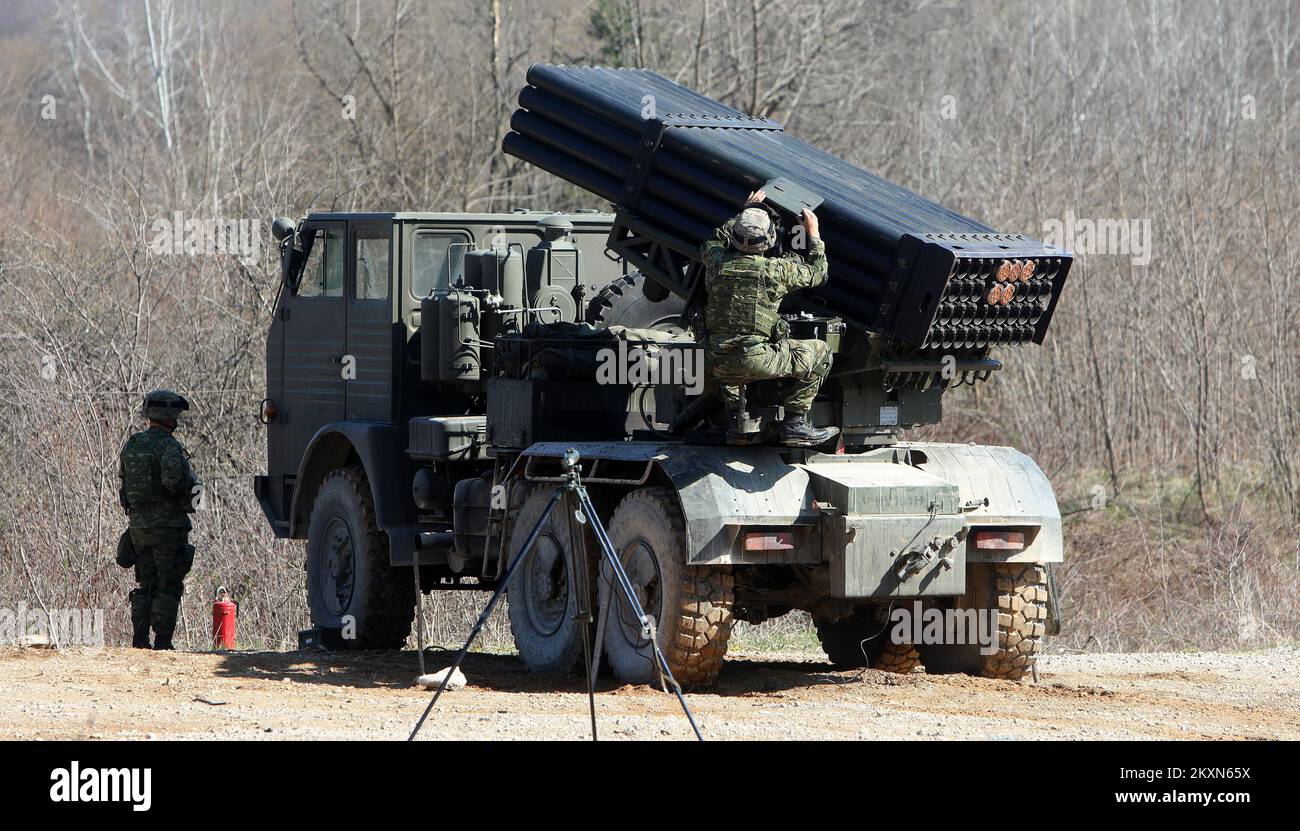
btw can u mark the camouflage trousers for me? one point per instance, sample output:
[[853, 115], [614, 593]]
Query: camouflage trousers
[[163, 558], [791, 372]]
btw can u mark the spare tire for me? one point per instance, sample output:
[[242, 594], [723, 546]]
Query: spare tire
[[624, 302]]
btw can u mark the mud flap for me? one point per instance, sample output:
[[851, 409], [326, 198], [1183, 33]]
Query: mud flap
[[1052, 625]]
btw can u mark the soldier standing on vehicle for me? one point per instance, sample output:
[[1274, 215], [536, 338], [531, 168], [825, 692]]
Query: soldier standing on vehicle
[[158, 492], [747, 339]]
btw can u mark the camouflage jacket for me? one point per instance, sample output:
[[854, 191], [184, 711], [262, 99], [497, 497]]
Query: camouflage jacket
[[157, 482], [745, 290]]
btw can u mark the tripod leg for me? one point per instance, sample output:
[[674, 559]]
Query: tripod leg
[[487, 610], [629, 594], [582, 589], [602, 621], [419, 611]]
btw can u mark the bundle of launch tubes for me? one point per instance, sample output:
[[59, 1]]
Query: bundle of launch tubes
[[677, 164]]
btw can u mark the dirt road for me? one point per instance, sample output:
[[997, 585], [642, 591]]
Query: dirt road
[[120, 693]]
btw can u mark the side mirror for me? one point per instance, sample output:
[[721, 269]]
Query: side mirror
[[282, 228], [292, 257]]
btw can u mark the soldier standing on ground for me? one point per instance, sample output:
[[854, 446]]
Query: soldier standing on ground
[[158, 491], [747, 339]]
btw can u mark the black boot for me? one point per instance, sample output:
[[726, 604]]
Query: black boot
[[140, 637], [795, 431], [163, 642]]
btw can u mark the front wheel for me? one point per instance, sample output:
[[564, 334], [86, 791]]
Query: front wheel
[[350, 585], [691, 605]]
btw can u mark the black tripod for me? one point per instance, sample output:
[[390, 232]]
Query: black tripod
[[578, 504]]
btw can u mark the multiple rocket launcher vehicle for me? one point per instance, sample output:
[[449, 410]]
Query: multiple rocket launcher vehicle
[[918, 297]]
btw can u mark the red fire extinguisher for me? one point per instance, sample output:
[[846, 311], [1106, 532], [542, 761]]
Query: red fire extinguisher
[[224, 611]]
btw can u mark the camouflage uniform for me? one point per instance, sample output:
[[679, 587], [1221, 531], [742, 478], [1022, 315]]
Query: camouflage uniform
[[157, 492], [747, 339]]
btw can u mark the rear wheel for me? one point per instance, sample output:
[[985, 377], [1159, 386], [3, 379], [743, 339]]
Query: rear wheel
[[691, 605], [542, 599], [350, 585], [1018, 594], [862, 639]]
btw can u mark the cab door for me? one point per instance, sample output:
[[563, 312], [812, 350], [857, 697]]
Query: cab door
[[372, 328], [311, 321]]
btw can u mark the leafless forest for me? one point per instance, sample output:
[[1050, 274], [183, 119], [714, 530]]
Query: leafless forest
[[1160, 137]]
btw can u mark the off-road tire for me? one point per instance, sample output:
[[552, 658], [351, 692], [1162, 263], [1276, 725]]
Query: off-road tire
[[541, 600], [380, 599], [691, 604], [862, 638], [1018, 591], [899, 657], [623, 303]]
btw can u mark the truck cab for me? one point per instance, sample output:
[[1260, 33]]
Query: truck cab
[[344, 346]]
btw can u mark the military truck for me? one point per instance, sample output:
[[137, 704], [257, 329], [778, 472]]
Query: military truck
[[428, 372]]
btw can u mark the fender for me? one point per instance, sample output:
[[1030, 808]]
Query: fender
[[720, 489], [724, 489], [1017, 490], [381, 449]]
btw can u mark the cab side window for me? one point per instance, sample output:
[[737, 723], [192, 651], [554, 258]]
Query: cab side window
[[437, 261], [322, 276], [372, 265]]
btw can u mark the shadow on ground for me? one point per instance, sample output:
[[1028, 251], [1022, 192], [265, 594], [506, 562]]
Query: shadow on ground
[[503, 673]]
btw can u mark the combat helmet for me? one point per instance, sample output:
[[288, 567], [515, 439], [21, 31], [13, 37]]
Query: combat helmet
[[754, 230], [164, 405]]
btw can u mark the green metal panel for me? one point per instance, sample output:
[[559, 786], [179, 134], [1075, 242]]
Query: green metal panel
[[871, 488], [866, 552], [886, 515]]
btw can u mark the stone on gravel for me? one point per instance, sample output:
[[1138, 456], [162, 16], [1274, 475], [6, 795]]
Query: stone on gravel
[[433, 680]]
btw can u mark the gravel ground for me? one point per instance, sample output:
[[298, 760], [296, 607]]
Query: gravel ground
[[118, 693]]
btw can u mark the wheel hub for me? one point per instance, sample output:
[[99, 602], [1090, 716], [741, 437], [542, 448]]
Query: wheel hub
[[546, 585], [642, 569], [338, 577]]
